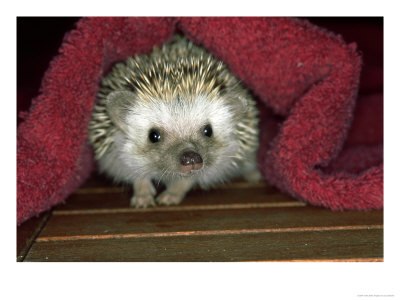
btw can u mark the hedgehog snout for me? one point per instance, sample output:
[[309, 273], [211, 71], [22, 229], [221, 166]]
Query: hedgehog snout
[[190, 160]]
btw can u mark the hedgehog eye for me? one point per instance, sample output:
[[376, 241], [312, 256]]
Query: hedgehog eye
[[154, 136], [207, 131]]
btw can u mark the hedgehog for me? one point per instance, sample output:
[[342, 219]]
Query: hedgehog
[[176, 116]]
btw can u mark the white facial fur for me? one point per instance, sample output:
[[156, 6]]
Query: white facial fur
[[181, 122], [180, 118]]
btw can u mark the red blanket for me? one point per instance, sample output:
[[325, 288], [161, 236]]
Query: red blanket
[[314, 146]]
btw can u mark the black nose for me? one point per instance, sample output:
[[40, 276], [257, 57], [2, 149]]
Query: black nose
[[190, 158]]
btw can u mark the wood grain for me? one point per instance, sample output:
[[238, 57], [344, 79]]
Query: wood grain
[[110, 198], [194, 220], [276, 246], [238, 222]]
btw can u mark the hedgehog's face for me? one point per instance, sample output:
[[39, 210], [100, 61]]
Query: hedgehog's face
[[177, 138]]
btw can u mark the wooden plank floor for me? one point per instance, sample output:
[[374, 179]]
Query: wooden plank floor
[[239, 222]]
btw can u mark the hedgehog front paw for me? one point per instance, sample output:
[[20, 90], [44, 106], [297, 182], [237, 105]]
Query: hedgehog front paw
[[253, 176], [142, 201], [166, 198]]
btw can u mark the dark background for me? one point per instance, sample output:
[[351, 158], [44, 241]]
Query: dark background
[[39, 38]]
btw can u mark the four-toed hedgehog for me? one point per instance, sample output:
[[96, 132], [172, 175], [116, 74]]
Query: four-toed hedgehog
[[177, 116]]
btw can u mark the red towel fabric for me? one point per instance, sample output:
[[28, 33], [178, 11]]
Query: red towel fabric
[[314, 145]]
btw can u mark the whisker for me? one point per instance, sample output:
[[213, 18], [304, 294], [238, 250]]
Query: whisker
[[163, 173]]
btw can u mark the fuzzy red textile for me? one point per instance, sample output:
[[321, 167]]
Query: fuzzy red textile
[[306, 75]]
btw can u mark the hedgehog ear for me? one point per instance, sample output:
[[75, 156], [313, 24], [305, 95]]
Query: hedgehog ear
[[239, 105], [118, 104]]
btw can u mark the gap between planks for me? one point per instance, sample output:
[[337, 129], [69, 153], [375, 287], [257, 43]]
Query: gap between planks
[[178, 208], [367, 259], [120, 189], [32, 237], [205, 232]]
